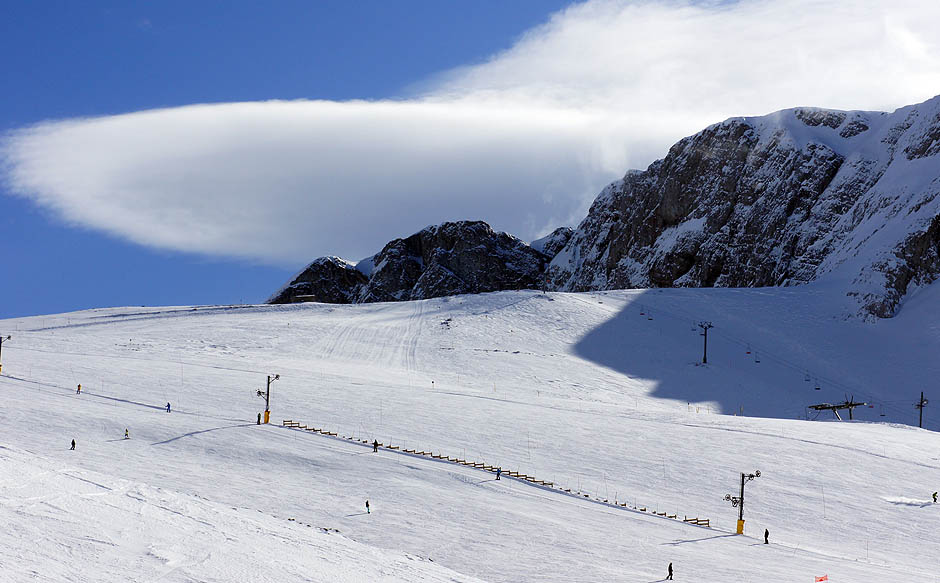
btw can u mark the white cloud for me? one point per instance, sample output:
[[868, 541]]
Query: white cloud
[[523, 141]]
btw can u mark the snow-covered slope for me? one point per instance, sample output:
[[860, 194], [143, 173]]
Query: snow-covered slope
[[796, 196], [581, 390]]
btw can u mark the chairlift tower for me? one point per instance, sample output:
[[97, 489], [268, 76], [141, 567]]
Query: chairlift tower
[[849, 404], [705, 327], [920, 405]]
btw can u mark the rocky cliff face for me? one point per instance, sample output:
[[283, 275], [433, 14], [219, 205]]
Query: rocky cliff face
[[329, 280], [792, 197], [453, 258], [554, 242]]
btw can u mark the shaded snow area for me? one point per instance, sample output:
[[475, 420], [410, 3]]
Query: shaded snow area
[[603, 395]]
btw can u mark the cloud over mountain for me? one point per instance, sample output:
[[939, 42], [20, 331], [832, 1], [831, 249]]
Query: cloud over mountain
[[523, 141]]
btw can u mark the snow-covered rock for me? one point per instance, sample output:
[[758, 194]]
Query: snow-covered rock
[[453, 258], [551, 244], [787, 198], [329, 280]]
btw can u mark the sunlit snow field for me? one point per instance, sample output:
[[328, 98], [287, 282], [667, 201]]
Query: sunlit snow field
[[602, 394]]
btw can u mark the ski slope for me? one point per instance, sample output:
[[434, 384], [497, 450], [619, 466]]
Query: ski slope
[[577, 389]]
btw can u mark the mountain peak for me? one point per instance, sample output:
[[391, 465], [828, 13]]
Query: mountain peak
[[797, 196], [447, 259]]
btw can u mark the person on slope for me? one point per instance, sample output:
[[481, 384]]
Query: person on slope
[[167, 406], [934, 497], [669, 576], [126, 434], [78, 391], [368, 510], [73, 444], [375, 447], [766, 537], [498, 472]]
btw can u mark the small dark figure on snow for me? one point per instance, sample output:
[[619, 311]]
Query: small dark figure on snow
[[766, 537], [259, 418], [368, 511], [669, 576], [498, 472], [934, 497], [126, 434], [78, 391], [375, 445], [73, 444], [168, 407]]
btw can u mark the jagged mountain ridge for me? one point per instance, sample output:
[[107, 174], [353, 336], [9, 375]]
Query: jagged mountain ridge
[[788, 198], [780, 199], [453, 258]]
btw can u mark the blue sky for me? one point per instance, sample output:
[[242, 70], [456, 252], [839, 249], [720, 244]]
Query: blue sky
[[334, 127], [69, 59]]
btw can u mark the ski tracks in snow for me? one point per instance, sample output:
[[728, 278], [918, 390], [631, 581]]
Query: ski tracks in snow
[[355, 338], [408, 349]]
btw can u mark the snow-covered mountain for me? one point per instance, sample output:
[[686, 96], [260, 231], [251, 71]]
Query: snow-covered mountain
[[800, 195], [629, 443], [783, 199]]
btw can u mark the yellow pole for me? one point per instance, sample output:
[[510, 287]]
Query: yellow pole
[[740, 527], [267, 416]]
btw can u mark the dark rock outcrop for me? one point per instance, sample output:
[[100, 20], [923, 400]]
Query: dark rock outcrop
[[329, 280], [463, 257]]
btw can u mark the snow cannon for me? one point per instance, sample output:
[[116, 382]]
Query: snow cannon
[[738, 501]]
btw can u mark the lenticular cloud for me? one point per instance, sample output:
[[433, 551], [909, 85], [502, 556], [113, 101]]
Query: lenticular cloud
[[279, 181], [523, 141]]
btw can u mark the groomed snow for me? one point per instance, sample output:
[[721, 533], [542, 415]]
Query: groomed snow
[[578, 389]]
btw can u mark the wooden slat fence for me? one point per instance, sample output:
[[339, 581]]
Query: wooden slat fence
[[704, 522]]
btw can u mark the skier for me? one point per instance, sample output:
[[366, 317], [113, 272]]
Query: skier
[[669, 576], [73, 444], [368, 511], [766, 537], [934, 497], [375, 447], [498, 472], [167, 406], [259, 418], [126, 434], [78, 391]]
